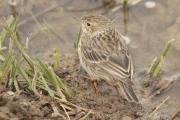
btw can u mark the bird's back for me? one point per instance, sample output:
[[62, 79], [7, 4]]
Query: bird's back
[[106, 51]]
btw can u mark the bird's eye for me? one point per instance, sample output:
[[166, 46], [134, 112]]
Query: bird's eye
[[88, 24]]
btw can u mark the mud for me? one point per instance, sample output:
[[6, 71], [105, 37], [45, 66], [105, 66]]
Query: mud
[[105, 103], [24, 106]]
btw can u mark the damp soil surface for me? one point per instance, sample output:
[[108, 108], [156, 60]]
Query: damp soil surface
[[104, 103]]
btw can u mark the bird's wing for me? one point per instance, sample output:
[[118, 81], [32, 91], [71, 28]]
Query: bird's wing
[[108, 49]]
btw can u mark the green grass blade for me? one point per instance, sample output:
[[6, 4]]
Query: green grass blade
[[6, 65], [47, 87], [78, 38], [22, 50], [2, 58], [52, 78], [166, 48], [11, 24], [155, 66], [13, 75], [23, 73], [55, 58]]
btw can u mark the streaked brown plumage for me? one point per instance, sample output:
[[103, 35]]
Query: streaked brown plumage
[[103, 53]]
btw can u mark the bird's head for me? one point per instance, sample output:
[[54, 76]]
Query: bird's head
[[94, 23]]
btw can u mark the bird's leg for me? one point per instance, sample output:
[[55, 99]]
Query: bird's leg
[[94, 83], [120, 91]]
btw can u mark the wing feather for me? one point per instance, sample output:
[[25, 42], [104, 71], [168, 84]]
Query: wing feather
[[108, 49]]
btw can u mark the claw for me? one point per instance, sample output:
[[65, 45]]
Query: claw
[[94, 85]]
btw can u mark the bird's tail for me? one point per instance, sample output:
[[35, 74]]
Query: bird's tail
[[127, 92]]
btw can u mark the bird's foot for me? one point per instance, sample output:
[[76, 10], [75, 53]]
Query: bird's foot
[[94, 83]]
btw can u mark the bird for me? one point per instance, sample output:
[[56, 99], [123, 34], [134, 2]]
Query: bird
[[104, 54]]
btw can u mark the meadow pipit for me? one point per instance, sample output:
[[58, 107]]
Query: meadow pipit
[[103, 53]]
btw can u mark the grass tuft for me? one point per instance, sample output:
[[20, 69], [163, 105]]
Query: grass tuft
[[23, 72], [28, 69], [155, 66]]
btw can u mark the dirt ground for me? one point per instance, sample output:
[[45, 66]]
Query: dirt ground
[[105, 103]]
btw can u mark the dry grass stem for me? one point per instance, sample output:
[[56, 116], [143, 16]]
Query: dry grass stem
[[175, 114], [65, 111], [157, 108]]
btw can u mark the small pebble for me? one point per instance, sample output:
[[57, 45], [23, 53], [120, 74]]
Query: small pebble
[[150, 4], [126, 118], [11, 93]]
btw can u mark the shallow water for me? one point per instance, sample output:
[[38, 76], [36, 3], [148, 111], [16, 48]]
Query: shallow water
[[148, 28]]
